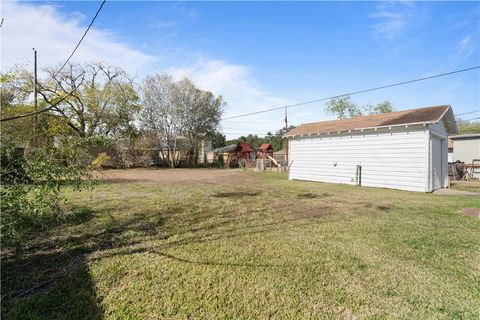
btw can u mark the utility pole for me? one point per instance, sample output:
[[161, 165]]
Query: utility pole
[[35, 117], [286, 139]]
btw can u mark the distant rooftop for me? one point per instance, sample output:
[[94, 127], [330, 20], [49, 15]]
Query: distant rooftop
[[465, 136]]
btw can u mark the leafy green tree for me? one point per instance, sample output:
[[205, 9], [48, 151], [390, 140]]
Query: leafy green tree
[[30, 192], [382, 107], [276, 140], [465, 127], [218, 140], [102, 100], [344, 108], [14, 100]]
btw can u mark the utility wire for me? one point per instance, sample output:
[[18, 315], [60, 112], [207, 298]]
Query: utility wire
[[246, 134], [251, 132], [248, 122], [461, 114], [58, 71], [43, 110], [81, 39], [460, 120], [236, 128], [354, 93]]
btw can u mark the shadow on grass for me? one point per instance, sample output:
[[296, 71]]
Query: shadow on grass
[[310, 195], [50, 278], [237, 194], [68, 293], [231, 233], [307, 195], [214, 233]]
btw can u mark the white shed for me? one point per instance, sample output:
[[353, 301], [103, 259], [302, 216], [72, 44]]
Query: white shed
[[404, 150]]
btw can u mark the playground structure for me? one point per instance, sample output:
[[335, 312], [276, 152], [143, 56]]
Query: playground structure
[[264, 151], [244, 156], [236, 155], [266, 161]]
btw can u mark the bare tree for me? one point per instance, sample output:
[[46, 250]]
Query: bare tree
[[179, 113], [201, 114]]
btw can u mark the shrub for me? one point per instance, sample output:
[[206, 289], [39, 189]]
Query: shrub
[[101, 161], [30, 192]]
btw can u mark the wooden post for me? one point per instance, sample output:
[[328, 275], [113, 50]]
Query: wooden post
[[286, 139]]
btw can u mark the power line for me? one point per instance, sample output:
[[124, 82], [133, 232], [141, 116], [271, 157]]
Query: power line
[[461, 114], [43, 110], [247, 134], [251, 132], [68, 59], [81, 39], [460, 120], [225, 128], [248, 122], [354, 93]]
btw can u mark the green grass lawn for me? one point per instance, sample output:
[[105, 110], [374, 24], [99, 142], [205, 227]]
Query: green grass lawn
[[249, 246]]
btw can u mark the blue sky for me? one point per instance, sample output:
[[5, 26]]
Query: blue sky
[[264, 54]]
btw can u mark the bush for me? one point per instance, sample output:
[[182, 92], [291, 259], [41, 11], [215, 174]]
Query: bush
[[30, 192], [101, 161]]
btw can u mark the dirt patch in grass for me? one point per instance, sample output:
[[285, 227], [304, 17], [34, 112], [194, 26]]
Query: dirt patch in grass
[[300, 209], [175, 176], [474, 212]]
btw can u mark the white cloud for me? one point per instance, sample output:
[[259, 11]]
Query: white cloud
[[54, 35], [465, 45], [394, 18], [241, 91]]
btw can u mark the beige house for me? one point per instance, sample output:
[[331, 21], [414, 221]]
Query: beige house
[[466, 148]]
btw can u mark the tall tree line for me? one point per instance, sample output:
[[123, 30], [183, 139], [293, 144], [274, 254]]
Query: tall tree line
[[103, 102]]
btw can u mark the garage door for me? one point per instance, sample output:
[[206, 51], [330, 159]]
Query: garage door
[[436, 163]]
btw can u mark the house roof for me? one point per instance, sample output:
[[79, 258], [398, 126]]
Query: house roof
[[466, 136], [407, 117], [239, 147], [243, 147], [228, 149]]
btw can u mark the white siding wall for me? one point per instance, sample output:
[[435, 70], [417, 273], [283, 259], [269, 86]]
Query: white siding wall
[[466, 150], [389, 158]]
